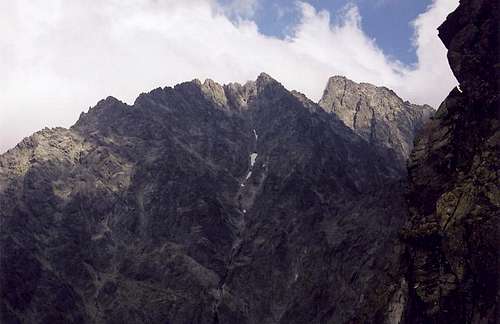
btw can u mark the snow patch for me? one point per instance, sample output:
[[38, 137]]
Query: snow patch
[[253, 157], [458, 87], [255, 134]]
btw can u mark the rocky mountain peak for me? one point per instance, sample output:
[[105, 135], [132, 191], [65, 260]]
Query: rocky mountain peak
[[199, 203], [264, 79], [266, 84], [375, 113], [214, 92]]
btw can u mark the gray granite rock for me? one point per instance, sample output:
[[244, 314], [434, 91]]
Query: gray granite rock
[[376, 113]]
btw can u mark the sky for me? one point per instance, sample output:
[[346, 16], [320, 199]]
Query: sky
[[60, 57], [385, 21]]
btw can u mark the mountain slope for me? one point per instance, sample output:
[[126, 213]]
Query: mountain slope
[[200, 203]]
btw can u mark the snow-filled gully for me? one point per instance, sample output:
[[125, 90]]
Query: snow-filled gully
[[239, 224], [253, 158]]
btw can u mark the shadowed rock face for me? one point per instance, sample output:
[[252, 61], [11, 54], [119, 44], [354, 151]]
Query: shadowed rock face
[[454, 198], [200, 203], [377, 114]]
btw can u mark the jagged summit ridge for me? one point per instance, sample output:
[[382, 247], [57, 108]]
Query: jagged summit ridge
[[231, 97], [377, 114]]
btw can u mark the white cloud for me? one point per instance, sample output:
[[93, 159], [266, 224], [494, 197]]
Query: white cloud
[[59, 57], [432, 76], [240, 8]]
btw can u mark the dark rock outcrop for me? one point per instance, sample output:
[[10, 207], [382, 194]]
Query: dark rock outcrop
[[377, 114], [200, 203], [454, 198]]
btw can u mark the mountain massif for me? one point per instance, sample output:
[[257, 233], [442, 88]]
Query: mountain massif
[[200, 203], [209, 203]]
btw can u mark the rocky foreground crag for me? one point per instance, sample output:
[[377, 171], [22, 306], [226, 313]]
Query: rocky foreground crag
[[454, 198], [204, 203]]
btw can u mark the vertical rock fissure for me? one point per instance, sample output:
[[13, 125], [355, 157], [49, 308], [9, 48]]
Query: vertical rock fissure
[[142, 223], [373, 125], [355, 118], [343, 94]]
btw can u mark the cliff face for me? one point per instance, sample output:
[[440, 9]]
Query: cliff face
[[200, 203], [454, 197], [377, 114]]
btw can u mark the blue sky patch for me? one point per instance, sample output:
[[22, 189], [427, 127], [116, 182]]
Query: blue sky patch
[[386, 21]]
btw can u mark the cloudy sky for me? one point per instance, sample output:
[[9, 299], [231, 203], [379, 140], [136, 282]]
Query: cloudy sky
[[59, 57]]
